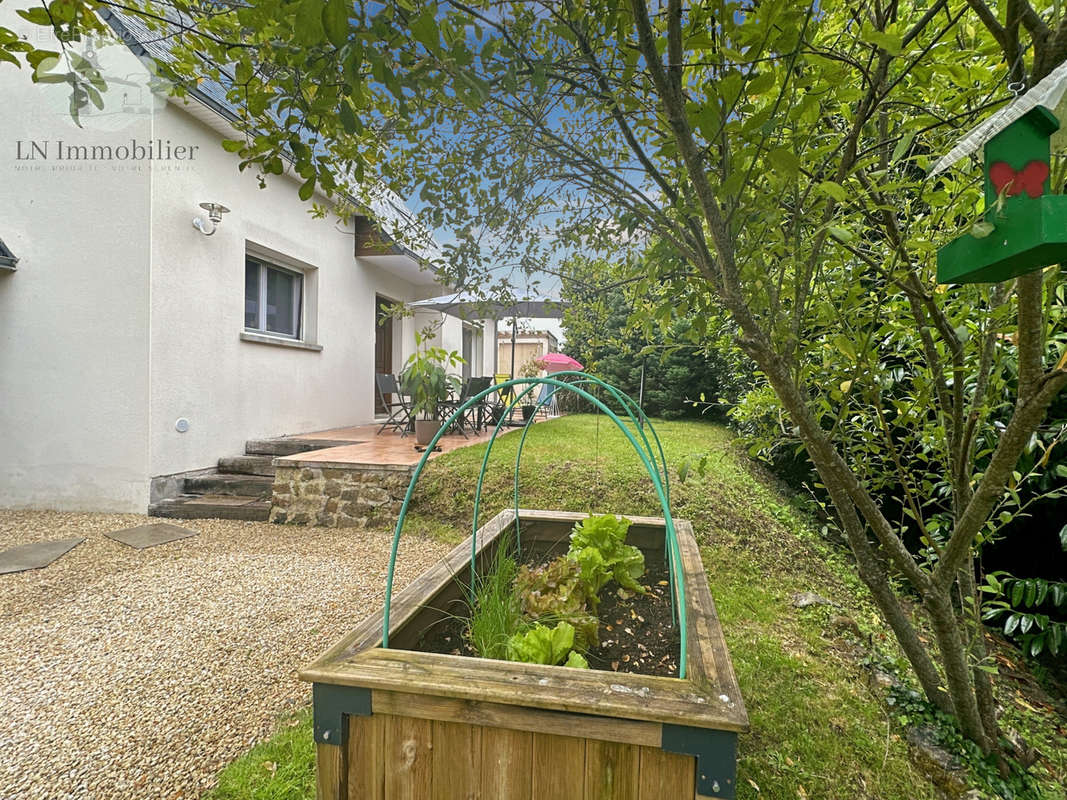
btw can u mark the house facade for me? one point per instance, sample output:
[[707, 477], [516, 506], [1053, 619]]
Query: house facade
[[133, 345]]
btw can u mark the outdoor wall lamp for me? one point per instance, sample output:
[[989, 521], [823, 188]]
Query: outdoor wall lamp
[[214, 215]]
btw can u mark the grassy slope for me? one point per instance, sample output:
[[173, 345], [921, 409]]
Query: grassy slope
[[817, 731]]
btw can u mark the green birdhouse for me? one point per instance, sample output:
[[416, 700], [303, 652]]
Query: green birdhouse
[[1024, 228]]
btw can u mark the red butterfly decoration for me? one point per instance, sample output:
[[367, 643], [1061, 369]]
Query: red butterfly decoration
[[1030, 179]]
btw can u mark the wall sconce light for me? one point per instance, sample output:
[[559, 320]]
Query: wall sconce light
[[214, 215]]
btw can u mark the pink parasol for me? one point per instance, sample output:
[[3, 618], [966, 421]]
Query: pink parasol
[[555, 362]]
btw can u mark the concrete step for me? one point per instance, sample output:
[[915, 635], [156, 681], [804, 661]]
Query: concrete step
[[247, 465], [290, 446], [227, 484], [212, 506]]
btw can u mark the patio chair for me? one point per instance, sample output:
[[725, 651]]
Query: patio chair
[[468, 390], [475, 416], [398, 410]]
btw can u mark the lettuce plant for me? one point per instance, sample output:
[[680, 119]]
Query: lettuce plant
[[599, 546], [544, 645], [556, 591]]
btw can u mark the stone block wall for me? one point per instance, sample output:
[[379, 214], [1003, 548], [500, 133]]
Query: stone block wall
[[348, 497]]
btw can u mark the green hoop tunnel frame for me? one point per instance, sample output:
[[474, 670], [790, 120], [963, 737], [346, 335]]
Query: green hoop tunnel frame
[[627, 403], [529, 385]]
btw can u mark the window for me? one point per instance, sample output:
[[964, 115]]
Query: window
[[273, 297]]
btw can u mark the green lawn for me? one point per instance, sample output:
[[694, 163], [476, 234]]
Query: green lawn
[[817, 730]]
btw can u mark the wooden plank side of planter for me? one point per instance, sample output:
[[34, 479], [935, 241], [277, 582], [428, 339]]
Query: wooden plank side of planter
[[408, 764], [366, 759], [457, 760], [707, 659], [558, 767], [397, 757], [665, 775], [330, 777], [498, 715], [612, 771], [507, 765], [623, 695]]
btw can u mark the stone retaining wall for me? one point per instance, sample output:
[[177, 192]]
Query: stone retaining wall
[[367, 496]]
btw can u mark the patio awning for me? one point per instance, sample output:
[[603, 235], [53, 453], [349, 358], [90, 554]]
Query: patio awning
[[467, 306]]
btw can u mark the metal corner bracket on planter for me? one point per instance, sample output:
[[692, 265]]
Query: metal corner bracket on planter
[[392, 722]]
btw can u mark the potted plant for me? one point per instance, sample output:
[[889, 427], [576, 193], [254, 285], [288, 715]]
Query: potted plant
[[530, 369], [426, 380]]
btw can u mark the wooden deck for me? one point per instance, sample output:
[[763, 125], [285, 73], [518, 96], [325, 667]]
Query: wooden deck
[[368, 448]]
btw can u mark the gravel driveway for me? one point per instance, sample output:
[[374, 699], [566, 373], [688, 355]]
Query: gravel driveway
[[138, 674]]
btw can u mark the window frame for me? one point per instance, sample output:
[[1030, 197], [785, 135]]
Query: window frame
[[298, 301]]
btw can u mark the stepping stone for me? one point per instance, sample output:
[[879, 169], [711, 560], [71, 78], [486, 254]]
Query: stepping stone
[[35, 555], [150, 535]]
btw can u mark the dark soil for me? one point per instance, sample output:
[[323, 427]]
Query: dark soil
[[637, 632]]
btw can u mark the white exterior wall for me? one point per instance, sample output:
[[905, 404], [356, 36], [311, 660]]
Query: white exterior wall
[[74, 367], [232, 390], [122, 317]]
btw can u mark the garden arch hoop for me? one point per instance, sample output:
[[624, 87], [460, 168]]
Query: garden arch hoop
[[528, 385]]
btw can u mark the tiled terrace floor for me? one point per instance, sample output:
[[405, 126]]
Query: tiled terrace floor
[[369, 448]]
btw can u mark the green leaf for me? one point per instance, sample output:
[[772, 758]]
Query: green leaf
[[1042, 592], [541, 644], [307, 25], [424, 29], [232, 145], [62, 11], [37, 57], [36, 15], [841, 234], [889, 42], [834, 190], [761, 83], [1063, 537], [576, 660], [335, 22], [307, 188], [902, 147], [1018, 590], [6, 56], [784, 161], [347, 117], [1059, 595], [1010, 624]]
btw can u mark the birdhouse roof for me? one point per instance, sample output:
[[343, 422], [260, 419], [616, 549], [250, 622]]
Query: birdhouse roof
[[1047, 93]]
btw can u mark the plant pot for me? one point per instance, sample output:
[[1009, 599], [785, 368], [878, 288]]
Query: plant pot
[[528, 412], [393, 723], [425, 430]]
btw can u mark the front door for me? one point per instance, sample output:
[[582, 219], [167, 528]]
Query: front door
[[383, 346]]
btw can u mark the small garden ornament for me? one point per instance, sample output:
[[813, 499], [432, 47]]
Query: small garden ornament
[[1023, 227]]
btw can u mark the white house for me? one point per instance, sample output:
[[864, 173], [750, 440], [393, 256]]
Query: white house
[[135, 346]]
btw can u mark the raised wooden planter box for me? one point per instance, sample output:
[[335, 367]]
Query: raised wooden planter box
[[395, 723]]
